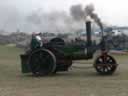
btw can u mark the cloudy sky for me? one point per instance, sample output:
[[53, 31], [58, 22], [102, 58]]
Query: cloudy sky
[[113, 12]]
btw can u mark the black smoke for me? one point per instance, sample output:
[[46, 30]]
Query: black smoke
[[77, 12], [80, 13]]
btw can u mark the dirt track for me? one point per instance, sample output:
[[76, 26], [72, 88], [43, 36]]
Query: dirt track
[[77, 82]]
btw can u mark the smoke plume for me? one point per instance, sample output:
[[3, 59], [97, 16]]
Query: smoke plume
[[55, 22], [89, 10], [78, 13]]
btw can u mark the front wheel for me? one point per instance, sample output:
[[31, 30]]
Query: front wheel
[[105, 65]]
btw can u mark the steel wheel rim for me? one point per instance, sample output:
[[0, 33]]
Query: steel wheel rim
[[105, 66]]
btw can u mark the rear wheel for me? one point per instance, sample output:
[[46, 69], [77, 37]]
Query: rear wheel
[[105, 65], [42, 62]]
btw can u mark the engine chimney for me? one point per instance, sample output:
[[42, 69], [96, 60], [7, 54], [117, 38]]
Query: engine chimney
[[88, 30], [88, 34]]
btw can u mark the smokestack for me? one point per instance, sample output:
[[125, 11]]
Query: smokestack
[[88, 31]]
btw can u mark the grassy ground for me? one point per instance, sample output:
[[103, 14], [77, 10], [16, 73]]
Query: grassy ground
[[77, 82]]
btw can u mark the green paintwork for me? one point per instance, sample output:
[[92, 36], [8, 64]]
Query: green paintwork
[[24, 64], [75, 51]]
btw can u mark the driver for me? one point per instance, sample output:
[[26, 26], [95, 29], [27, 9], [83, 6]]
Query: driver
[[36, 41]]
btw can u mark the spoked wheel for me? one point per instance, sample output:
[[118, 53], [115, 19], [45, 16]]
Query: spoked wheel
[[42, 62], [105, 65]]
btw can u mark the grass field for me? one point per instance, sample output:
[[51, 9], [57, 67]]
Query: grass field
[[77, 82]]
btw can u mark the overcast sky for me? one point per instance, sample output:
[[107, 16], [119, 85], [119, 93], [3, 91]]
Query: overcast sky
[[110, 11]]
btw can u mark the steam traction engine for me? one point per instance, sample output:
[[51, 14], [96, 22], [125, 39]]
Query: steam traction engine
[[56, 55]]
